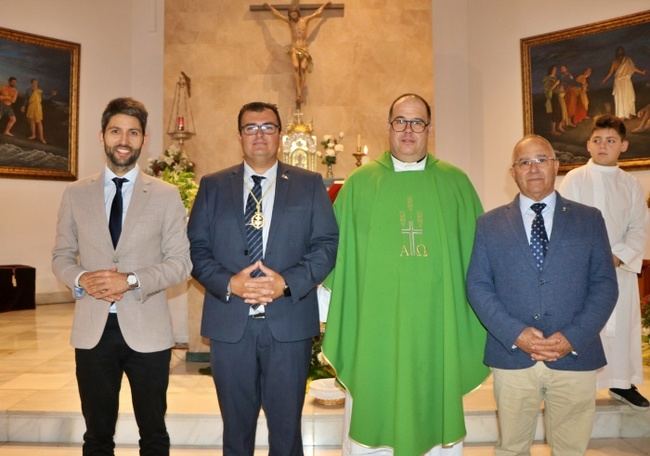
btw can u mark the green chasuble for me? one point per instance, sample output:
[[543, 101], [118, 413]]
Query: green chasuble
[[400, 332]]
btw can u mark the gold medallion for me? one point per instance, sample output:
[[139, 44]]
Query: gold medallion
[[257, 220]]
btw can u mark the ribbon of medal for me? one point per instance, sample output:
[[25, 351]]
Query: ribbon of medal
[[257, 219]]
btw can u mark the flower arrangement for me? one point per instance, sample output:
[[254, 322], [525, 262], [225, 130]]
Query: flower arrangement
[[175, 167], [331, 146], [318, 366]]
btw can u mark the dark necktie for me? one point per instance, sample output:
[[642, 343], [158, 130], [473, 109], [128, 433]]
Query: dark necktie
[[254, 235], [115, 219], [538, 237]]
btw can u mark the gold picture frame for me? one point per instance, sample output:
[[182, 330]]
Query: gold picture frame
[[570, 76], [42, 104]]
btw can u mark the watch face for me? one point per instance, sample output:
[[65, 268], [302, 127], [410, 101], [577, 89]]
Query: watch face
[[131, 280]]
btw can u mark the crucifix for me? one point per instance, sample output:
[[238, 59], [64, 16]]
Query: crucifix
[[301, 59], [411, 232]]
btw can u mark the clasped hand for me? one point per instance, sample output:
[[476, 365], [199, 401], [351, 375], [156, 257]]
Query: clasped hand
[[551, 348], [257, 290], [105, 284]]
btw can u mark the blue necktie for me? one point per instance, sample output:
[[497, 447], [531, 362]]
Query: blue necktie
[[538, 237], [254, 235], [115, 218]]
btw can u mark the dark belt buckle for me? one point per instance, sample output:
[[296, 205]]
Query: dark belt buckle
[[259, 316]]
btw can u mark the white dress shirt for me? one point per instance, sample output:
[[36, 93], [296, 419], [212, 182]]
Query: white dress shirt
[[267, 200], [528, 215], [109, 193], [268, 196]]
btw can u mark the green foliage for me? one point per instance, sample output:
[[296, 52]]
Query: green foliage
[[318, 366], [174, 167], [645, 311], [184, 181]]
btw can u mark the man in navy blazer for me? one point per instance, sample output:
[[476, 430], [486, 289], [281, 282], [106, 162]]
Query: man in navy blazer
[[544, 286], [262, 237]]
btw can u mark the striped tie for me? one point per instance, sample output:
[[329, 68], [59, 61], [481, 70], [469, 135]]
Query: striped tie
[[253, 235], [538, 237]]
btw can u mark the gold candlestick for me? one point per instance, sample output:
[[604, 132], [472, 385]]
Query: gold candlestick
[[358, 155]]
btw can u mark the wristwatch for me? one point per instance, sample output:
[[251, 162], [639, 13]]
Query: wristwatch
[[132, 280], [287, 291]]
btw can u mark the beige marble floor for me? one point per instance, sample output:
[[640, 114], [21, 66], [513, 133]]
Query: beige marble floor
[[37, 373], [597, 447]]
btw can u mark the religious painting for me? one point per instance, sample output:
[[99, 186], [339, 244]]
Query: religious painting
[[39, 92], [573, 75]]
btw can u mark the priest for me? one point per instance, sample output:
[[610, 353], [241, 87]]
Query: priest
[[400, 333]]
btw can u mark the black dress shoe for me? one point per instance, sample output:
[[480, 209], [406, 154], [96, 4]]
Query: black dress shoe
[[631, 397]]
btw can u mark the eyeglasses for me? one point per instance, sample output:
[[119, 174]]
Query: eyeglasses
[[417, 125], [265, 128], [529, 162]]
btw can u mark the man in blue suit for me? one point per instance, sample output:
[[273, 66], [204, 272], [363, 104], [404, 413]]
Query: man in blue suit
[[262, 237], [542, 281]]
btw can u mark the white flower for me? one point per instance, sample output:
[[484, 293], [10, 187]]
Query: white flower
[[330, 152], [338, 148], [341, 135], [321, 359]]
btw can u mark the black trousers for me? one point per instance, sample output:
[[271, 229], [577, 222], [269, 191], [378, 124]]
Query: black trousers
[[259, 371], [99, 377]]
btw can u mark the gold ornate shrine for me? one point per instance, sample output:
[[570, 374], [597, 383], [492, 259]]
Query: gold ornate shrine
[[299, 146]]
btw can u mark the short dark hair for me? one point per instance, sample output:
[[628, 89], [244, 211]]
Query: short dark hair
[[258, 106], [11, 79], [127, 106], [407, 95], [609, 121]]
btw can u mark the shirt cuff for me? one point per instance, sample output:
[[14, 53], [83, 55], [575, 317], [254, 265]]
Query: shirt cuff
[[76, 279]]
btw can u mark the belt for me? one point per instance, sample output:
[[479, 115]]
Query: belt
[[258, 316]]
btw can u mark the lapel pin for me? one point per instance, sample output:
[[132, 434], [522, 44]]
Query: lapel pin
[[563, 208], [285, 177]]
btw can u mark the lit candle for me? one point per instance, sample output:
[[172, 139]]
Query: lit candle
[[359, 142], [180, 123], [365, 149]]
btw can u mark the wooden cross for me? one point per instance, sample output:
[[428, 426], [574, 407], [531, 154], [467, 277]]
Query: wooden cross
[[303, 7], [301, 59]]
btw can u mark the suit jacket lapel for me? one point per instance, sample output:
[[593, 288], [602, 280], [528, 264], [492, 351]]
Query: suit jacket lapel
[[237, 194], [518, 231], [139, 200], [97, 205], [560, 226], [282, 180]]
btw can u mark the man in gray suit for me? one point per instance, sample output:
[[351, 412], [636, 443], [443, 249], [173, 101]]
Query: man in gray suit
[[263, 236], [120, 242], [542, 281]]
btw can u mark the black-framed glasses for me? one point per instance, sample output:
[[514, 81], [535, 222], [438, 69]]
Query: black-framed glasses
[[400, 124], [529, 162], [266, 129]]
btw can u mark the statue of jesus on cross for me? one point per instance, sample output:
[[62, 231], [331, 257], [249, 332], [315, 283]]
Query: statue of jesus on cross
[[301, 59]]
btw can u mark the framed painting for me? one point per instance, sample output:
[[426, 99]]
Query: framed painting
[[571, 76], [39, 104]]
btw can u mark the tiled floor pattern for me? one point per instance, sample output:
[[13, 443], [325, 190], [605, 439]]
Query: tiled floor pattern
[[37, 374]]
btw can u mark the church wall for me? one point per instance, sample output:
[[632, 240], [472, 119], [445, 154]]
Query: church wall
[[363, 59], [235, 56], [121, 54], [478, 79]]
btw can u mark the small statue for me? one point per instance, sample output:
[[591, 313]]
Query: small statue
[[300, 57]]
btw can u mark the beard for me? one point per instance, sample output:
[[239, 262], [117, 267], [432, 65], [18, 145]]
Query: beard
[[126, 162]]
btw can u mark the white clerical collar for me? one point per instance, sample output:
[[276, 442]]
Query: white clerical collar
[[600, 168], [132, 175], [400, 166]]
